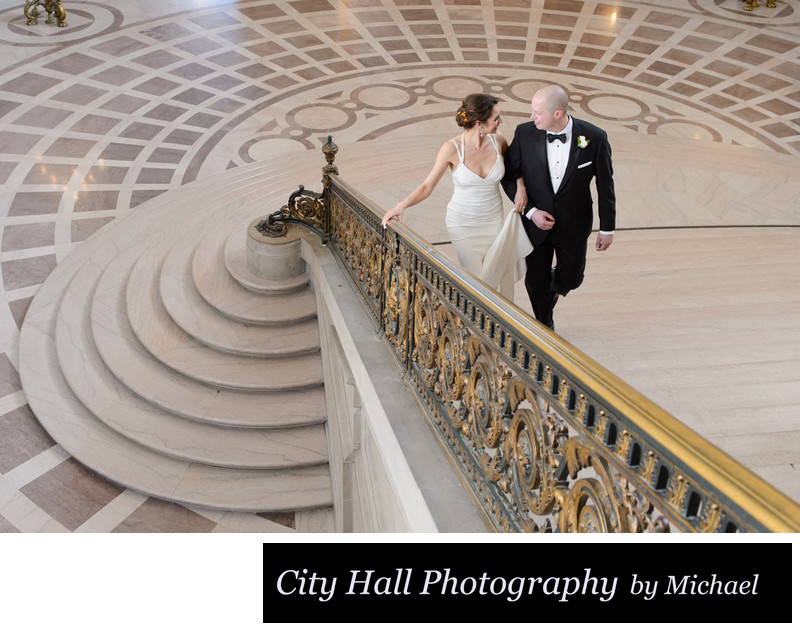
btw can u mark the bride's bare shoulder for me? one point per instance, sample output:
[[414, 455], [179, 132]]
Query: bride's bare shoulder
[[501, 141], [448, 149]]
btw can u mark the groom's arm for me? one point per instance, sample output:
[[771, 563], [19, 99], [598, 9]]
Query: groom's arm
[[604, 180], [513, 163]]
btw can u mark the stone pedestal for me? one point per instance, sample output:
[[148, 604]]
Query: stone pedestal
[[274, 258]]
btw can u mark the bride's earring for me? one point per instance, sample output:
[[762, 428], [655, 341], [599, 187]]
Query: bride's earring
[[480, 132]]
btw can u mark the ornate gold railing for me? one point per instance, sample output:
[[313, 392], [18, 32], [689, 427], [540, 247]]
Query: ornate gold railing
[[752, 4], [55, 12], [544, 438]]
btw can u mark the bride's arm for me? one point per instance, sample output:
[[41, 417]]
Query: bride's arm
[[444, 159], [521, 198]]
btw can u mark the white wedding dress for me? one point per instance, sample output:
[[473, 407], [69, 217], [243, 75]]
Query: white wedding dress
[[486, 246]]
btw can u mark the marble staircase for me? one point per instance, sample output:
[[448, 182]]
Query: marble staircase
[[155, 357]]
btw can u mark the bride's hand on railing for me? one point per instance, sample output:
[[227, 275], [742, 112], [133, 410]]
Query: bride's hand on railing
[[394, 213]]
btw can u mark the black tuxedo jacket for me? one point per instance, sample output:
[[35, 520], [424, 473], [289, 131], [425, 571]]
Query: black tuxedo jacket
[[571, 204]]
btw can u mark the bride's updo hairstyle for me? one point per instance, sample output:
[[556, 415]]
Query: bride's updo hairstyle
[[475, 108]]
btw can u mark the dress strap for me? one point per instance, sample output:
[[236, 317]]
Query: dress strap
[[493, 139], [459, 150]]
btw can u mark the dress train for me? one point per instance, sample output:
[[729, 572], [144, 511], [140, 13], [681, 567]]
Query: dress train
[[504, 262]]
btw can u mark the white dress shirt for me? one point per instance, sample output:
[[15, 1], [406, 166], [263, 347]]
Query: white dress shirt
[[558, 156]]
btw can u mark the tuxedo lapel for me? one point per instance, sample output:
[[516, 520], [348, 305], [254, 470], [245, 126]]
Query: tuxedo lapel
[[540, 147], [573, 154]]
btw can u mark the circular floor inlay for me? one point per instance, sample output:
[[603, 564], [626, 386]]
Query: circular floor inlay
[[614, 107], [383, 97], [456, 88], [523, 90], [320, 118], [685, 130]]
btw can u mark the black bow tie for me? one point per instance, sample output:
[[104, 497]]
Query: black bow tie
[[552, 137]]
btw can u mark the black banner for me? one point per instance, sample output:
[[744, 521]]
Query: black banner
[[534, 581]]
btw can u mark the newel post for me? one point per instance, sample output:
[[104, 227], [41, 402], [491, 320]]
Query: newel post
[[329, 149]]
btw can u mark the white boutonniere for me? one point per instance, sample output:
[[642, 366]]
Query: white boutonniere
[[582, 142]]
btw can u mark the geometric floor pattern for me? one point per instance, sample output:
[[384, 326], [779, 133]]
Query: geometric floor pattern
[[129, 101]]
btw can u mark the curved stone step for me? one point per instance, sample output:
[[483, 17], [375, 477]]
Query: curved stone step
[[116, 406], [125, 462], [204, 323], [255, 490], [156, 389], [135, 367], [235, 255], [139, 299], [221, 291]]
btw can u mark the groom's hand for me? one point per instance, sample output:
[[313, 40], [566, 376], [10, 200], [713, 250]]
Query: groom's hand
[[603, 242], [543, 220]]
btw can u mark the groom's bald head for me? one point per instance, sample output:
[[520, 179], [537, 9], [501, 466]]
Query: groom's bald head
[[554, 98]]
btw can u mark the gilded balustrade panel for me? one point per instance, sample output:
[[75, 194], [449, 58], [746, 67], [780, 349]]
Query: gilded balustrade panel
[[500, 408], [356, 237], [544, 438]]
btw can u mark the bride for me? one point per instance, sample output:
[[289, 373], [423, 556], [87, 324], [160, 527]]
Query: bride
[[475, 212]]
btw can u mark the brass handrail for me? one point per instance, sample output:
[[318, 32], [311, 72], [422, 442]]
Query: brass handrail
[[543, 436]]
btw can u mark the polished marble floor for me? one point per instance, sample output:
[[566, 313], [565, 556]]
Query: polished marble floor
[[697, 304]]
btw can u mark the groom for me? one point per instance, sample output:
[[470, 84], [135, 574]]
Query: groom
[[557, 156]]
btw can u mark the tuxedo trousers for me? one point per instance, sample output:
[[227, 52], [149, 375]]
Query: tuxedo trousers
[[544, 282]]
